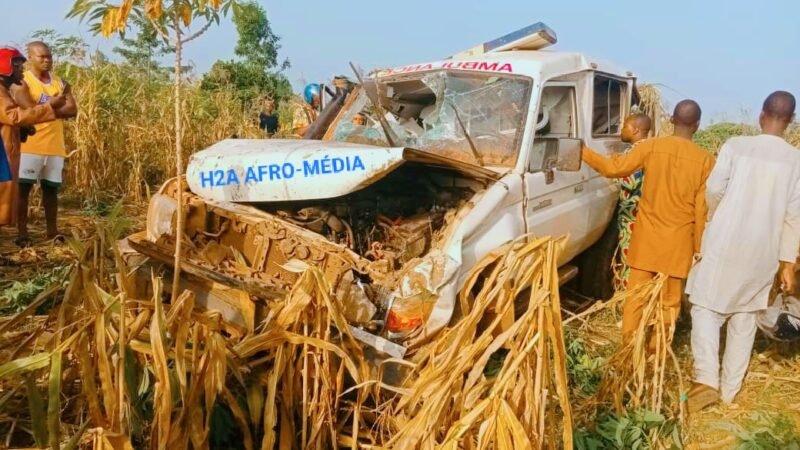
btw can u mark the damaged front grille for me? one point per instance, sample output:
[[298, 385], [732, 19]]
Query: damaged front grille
[[361, 241], [390, 222]]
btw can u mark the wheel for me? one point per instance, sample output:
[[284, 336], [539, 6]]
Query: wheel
[[595, 266]]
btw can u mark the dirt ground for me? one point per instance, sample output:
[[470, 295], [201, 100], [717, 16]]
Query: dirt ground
[[772, 384], [73, 221]]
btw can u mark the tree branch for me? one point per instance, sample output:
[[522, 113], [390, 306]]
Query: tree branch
[[161, 33], [199, 32]]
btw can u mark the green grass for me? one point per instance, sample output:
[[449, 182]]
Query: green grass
[[16, 295], [639, 430], [584, 371], [764, 431]]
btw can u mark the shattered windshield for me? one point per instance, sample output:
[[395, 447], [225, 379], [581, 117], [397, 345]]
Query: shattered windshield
[[477, 118]]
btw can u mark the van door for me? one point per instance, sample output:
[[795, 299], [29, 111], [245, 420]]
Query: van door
[[610, 104], [556, 202]]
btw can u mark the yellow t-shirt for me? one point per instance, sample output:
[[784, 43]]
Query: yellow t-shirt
[[49, 137]]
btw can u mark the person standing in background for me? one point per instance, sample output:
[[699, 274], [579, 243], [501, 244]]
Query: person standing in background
[[635, 129], [12, 118], [268, 119], [305, 113], [43, 153]]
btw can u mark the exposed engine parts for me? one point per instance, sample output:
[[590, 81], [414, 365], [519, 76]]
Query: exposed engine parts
[[394, 220]]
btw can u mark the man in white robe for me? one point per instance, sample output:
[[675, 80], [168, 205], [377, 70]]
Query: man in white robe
[[753, 196]]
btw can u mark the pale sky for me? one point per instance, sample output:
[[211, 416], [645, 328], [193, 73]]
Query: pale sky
[[728, 55]]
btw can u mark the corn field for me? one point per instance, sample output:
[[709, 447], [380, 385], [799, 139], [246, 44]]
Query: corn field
[[105, 369], [121, 144]]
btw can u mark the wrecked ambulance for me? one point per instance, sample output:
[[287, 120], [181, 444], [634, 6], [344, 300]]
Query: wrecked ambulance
[[425, 169]]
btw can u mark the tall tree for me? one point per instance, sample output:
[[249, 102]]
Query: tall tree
[[172, 20], [257, 70]]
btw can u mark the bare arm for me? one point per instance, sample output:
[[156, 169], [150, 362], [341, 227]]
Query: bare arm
[[22, 96], [70, 109], [617, 166]]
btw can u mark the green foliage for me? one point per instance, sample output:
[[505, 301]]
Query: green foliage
[[225, 434], [495, 364], [793, 134], [257, 43], [125, 126], [142, 52], [713, 136], [640, 430], [584, 371], [765, 431], [65, 49], [250, 82], [97, 207], [19, 294], [256, 73]]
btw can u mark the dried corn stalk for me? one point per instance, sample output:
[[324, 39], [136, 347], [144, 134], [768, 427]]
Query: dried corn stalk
[[291, 375], [301, 381], [635, 374], [449, 402]]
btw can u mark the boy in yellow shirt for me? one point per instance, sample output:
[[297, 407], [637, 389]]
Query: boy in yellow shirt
[[43, 153]]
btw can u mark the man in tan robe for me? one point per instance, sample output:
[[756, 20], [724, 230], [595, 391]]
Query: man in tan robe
[[671, 214], [12, 117]]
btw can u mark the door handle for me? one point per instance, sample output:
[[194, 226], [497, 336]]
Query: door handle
[[543, 204], [579, 188]]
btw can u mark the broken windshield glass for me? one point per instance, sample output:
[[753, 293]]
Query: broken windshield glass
[[477, 118]]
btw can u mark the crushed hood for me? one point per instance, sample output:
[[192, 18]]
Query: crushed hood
[[276, 170]]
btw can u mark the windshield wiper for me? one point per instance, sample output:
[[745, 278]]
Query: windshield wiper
[[472, 148], [381, 113]]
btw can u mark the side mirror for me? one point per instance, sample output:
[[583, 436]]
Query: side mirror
[[570, 152]]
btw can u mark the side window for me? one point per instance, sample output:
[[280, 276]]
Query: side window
[[557, 118], [608, 106]]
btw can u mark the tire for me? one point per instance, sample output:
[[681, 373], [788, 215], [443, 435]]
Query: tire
[[595, 273]]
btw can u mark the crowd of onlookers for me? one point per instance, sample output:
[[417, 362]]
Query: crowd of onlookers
[[719, 231], [34, 103]]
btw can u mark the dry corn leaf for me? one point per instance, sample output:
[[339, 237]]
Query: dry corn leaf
[[163, 392], [38, 412], [23, 365], [154, 9], [110, 21], [54, 401], [124, 12]]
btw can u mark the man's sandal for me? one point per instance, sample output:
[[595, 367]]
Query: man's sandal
[[58, 239], [701, 397]]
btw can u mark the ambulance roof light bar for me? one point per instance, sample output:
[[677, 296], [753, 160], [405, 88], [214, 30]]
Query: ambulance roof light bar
[[532, 37]]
